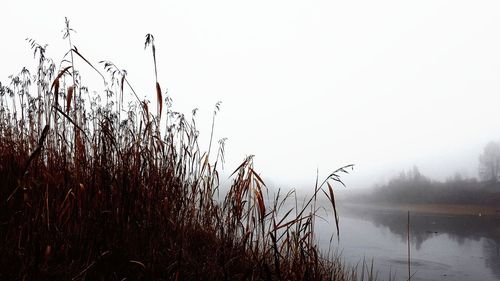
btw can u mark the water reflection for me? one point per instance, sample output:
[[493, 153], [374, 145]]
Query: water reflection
[[492, 254], [425, 226], [444, 247]]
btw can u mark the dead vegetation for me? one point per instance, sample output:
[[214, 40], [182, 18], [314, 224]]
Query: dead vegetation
[[95, 189]]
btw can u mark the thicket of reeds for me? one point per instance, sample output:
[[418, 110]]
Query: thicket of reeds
[[95, 189]]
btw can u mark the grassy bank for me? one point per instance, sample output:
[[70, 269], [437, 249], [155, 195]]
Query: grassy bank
[[93, 188]]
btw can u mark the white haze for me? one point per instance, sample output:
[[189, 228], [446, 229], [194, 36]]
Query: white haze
[[304, 84]]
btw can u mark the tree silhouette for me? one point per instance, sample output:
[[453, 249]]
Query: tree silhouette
[[489, 162]]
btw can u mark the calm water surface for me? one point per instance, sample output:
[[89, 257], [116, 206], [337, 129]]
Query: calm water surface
[[443, 247]]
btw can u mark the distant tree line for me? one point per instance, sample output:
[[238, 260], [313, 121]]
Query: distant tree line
[[413, 187]]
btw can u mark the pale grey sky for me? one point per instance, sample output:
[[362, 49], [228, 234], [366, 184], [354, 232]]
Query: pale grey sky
[[304, 84]]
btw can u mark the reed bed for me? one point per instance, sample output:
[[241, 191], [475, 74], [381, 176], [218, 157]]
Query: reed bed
[[93, 188]]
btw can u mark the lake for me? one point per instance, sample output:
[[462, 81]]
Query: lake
[[443, 247]]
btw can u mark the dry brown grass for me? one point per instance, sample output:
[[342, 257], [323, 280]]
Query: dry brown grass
[[98, 191]]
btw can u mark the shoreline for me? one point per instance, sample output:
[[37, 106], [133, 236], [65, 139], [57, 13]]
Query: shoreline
[[436, 209]]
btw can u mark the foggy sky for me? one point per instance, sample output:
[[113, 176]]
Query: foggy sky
[[304, 85]]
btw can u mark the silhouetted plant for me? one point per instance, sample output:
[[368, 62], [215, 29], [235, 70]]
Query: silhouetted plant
[[91, 188]]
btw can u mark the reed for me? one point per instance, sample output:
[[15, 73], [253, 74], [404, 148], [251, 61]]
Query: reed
[[92, 189], [408, 244]]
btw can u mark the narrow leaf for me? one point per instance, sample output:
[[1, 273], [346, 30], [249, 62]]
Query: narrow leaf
[[121, 87], [159, 97], [59, 76], [74, 50], [69, 97], [56, 91], [332, 200]]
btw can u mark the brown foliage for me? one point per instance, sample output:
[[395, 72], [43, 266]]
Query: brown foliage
[[132, 201]]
